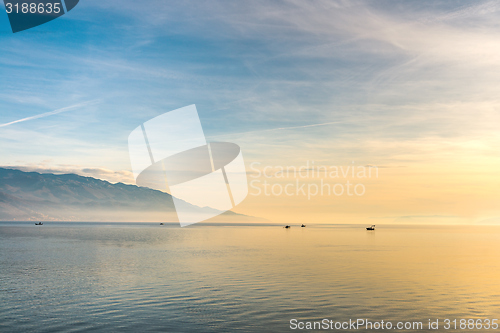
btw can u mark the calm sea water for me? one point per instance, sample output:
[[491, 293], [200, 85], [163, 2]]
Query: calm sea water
[[144, 277]]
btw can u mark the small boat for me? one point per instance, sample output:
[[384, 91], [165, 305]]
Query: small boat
[[371, 228], [161, 223], [303, 226], [287, 227], [39, 223]]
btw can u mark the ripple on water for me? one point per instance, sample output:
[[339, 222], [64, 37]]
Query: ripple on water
[[102, 279]]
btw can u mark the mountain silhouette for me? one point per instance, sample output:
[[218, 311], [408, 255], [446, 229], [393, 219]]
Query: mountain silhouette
[[27, 196]]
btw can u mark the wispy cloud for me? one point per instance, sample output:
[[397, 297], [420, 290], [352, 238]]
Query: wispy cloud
[[51, 113], [277, 129]]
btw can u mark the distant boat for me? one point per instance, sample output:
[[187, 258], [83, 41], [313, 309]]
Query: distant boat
[[303, 226], [39, 223], [287, 227], [161, 223], [371, 228]]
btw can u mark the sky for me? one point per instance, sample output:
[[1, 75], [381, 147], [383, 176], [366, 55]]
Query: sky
[[410, 87]]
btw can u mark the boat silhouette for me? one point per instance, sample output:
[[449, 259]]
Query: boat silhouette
[[371, 228]]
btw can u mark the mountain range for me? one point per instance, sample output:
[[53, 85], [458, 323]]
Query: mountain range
[[28, 196]]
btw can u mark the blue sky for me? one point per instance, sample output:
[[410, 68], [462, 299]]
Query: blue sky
[[246, 66], [398, 83]]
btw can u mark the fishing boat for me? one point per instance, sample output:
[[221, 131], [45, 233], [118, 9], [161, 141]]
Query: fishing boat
[[371, 228], [303, 226], [39, 223], [287, 227]]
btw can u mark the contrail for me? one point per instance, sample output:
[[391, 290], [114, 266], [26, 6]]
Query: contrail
[[46, 114], [278, 129]]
